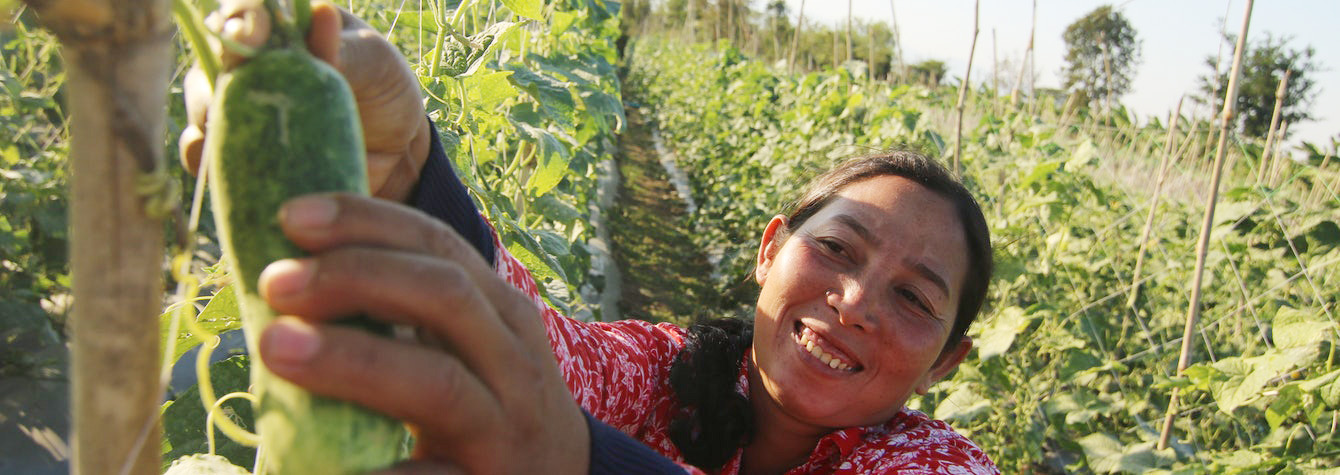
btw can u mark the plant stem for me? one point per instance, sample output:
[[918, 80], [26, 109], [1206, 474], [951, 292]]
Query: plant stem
[[188, 19]]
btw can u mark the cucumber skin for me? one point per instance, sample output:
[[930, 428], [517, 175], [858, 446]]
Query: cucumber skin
[[285, 124]]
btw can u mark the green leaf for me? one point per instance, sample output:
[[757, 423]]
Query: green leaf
[[1038, 173], [553, 159], [184, 417], [1106, 454], [1294, 328], [1000, 331], [1083, 156], [489, 88], [1242, 379], [220, 315], [962, 405], [532, 9]]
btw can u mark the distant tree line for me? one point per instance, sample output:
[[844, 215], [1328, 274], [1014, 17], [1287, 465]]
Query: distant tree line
[[1103, 52]]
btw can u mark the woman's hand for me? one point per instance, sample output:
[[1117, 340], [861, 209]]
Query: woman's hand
[[486, 398], [390, 104]]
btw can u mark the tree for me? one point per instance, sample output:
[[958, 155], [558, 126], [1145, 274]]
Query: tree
[[1102, 51], [929, 72], [1263, 66]]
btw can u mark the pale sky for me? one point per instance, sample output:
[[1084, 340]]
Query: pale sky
[[1176, 36]]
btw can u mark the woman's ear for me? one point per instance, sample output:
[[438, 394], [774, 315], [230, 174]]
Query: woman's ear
[[945, 365], [767, 249]]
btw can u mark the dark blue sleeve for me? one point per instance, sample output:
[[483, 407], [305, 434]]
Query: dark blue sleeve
[[442, 195], [615, 453]]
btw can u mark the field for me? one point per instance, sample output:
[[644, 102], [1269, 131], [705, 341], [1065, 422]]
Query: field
[[1095, 223]]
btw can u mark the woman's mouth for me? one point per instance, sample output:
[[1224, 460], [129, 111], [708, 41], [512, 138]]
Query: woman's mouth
[[824, 351]]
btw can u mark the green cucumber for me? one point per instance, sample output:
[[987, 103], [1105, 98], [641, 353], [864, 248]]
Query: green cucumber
[[285, 124]]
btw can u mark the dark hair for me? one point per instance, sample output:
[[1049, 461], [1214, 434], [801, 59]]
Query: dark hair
[[713, 420]]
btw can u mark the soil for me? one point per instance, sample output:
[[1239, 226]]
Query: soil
[[664, 273]]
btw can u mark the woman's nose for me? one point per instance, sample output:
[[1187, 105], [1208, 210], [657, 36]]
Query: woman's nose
[[852, 306]]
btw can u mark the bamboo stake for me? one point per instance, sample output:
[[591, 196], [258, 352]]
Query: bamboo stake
[[849, 30], [995, 73], [1274, 123], [118, 56], [1028, 53], [897, 41], [1202, 245], [795, 39], [1154, 203], [963, 91], [1276, 164]]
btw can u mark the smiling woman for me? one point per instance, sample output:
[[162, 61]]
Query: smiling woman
[[868, 287]]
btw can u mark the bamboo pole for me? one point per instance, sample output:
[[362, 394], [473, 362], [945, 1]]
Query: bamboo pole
[[1154, 203], [795, 39], [1274, 124], [963, 91], [1202, 245], [1277, 165], [870, 52], [897, 41], [1023, 65], [849, 30], [118, 55], [995, 73]]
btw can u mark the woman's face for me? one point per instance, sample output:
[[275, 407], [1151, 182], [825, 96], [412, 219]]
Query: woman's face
[[857, 304]]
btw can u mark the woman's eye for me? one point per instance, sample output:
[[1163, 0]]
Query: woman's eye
[[913, 297], [831, 245]]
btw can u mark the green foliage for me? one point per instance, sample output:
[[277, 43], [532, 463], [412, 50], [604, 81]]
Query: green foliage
[[1263, 68], [1067, 378], [1102, 51], [34, 274], [184, 417]]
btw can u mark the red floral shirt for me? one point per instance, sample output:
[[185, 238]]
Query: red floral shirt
[[619, 372]]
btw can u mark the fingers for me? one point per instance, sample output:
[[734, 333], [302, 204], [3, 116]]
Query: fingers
[[322, 222], [242, 23], [396, 287], [323, 37], [198, 94], [409, 382]]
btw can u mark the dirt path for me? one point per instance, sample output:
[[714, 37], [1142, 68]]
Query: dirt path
[[663, 271]]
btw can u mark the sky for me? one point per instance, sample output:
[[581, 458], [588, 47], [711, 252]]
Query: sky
[[1176, 36]]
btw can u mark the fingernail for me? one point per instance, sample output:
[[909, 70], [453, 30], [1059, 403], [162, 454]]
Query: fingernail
[[289, 342], [286, 277], [309, 211]]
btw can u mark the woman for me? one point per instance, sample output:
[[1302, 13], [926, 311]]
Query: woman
[[867, 289]]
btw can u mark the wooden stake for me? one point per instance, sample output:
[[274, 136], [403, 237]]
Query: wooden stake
[[1276, 165], [897, 41], [118, 55], [1154, 203], [995, 73], [963, 91], [1274, 123], [1023, 65], [1202, 245], [849, 30], [795, 39], [870, 57]]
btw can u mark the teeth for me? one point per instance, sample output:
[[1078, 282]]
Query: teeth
[[807, 338]]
